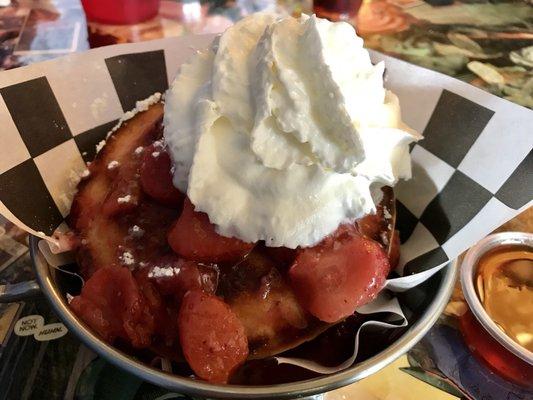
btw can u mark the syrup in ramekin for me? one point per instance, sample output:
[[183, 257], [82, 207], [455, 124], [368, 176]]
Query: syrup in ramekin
[[504, 284]]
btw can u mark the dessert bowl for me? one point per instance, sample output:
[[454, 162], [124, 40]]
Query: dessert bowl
[[269, 241], [249, 211], [425, 303]]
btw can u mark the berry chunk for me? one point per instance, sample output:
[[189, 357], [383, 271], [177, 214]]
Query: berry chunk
[[112, 304], [156, 177], [212, 337], [165, 315], [194, 238], [338, 275]]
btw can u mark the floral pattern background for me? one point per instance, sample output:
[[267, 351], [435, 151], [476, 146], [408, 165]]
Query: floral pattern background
[[488, 44]]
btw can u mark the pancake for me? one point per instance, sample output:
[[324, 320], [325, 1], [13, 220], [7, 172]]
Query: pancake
[[110, 202]]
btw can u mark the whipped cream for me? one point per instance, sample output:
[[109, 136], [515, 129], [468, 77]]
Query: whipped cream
[[281, 128]]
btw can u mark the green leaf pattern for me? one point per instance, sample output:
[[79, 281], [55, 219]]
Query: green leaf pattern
[[487, 44]]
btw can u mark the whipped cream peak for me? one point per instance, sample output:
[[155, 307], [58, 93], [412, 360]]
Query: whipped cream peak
[[279, 130]]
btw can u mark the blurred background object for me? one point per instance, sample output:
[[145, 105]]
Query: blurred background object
[[488, 43], [120, 11]]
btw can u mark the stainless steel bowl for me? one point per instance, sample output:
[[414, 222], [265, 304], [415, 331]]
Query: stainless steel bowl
[[430, 301], [468, 273]]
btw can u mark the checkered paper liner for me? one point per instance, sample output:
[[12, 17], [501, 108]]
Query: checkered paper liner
[[471, 173]]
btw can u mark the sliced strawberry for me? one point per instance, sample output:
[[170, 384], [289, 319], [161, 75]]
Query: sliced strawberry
[[338, 275], [156, 178], [193, 237], [112, 304], [175, 276], [212, 337], [165, 323], [103, 321]]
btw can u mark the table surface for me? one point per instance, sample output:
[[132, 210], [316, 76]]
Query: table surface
[[488, 44]]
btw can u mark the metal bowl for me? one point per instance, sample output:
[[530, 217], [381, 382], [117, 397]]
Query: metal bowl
[[427, 301], [468, 272]]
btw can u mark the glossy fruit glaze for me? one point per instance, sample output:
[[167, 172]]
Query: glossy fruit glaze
[[160, 281]]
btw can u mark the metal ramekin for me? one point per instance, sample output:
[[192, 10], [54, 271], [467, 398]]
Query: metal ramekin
[[468, 272], [45, 278]]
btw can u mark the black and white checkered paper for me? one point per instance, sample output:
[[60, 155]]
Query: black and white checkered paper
[[471, 173]]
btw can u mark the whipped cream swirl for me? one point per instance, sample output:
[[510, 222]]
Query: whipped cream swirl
[[280, 130]]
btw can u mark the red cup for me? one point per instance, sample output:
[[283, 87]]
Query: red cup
[[120, 12]]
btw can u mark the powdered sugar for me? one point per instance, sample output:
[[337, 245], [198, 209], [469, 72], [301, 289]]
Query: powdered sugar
[[125, 199], [159, 144], [384, 238], [140, 106], [163, 272], [139, 150], [127, 258], [128, 115], [143, 105], [112, 164], [136, 231], [99, 105], [100, 146]]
